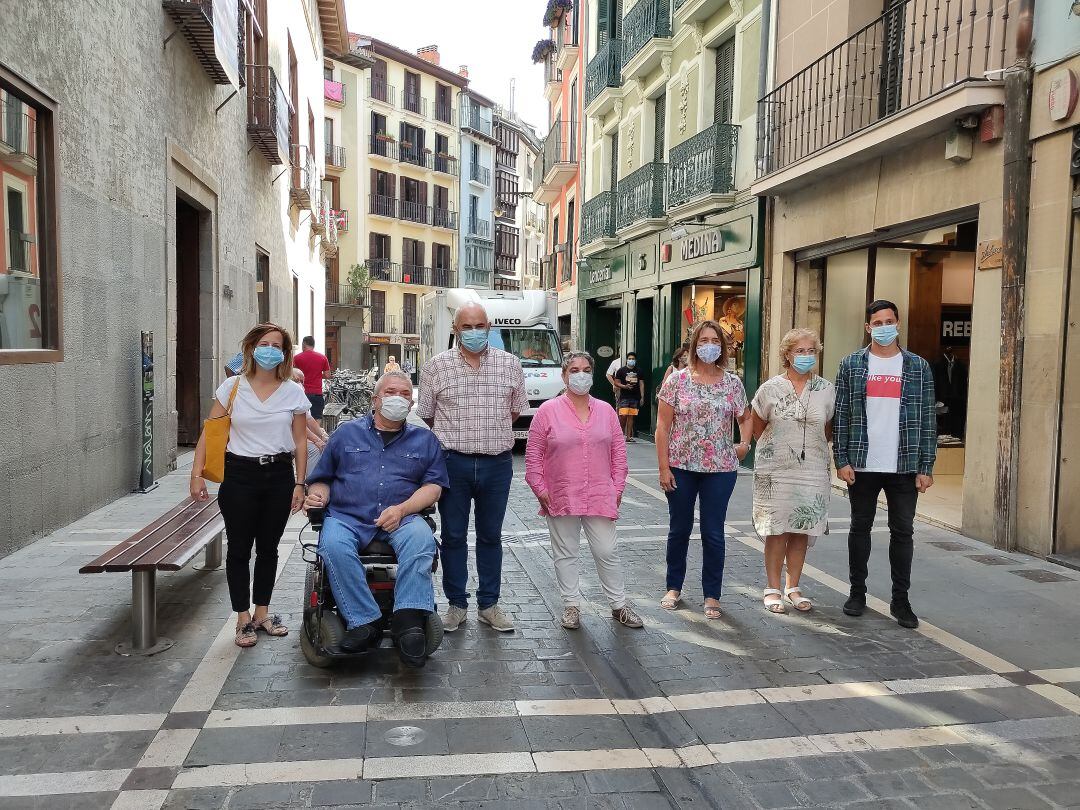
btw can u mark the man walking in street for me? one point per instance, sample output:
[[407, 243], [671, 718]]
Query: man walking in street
[[629, 393], [470, 396], [884, 439], [316, 368]]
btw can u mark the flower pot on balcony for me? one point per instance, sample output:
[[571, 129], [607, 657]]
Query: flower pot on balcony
[[382, 136], [543, 50], [553, 14]]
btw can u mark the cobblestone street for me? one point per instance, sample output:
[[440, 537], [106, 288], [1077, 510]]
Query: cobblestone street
[[754, 710]]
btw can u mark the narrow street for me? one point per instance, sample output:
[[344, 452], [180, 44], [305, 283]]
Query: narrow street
[[978, 708]]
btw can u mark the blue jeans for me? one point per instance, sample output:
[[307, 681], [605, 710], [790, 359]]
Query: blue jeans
[[414, 545], [485, 480], [715, 490]]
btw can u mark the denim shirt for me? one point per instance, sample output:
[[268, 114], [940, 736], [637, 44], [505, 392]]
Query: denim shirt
[[918, 415], [365, 477]]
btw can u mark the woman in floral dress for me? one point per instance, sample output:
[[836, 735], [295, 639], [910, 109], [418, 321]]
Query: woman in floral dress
[[694, 427], [792, 416]]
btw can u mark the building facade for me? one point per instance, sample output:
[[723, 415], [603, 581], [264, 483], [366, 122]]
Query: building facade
[[399, 190], [168, 190], [557, 179], [515, 237], [476, 115], [670, 232]]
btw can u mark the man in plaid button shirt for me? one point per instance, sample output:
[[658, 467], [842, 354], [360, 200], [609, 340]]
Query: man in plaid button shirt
[[470, 396], [884, 438]]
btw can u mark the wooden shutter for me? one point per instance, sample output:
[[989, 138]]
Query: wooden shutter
[[391, 182], [659, 122], [378, 71], [374, 189], [423, 193], [373, 246], [725, 82], [601, 23], [615, 161], [615, 17]]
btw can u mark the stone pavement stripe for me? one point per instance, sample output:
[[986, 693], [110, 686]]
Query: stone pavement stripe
[[716, 700], [550, 708], [942, 637], [54, 784], [260, 773], [914, 686], [442, 711], [291, 716], [1064, 675], [1062, 697], [82, 724], [449, 765], [594, 760], [758, 750], [169, 747], [140, 800]]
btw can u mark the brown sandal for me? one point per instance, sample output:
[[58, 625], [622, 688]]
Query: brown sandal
[[246, 635], [275, 628]]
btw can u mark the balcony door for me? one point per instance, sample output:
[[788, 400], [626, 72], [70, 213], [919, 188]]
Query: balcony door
[[412, 261], [378, 311], [891, 73], [659, 125], [413, 199], [725, 83], [379, 89], [441, 263], [412, 144], [408, 314], [379, 256]]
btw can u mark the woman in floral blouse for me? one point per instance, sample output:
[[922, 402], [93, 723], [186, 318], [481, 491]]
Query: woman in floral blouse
[[696, 457], [792, 414]]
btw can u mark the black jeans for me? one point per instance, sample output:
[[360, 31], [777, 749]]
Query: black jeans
[[255, 501], [901, 496]]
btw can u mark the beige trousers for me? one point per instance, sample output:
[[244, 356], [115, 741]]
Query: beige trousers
[[565, 541]]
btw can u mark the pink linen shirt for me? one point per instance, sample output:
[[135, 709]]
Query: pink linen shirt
[[581, 467]]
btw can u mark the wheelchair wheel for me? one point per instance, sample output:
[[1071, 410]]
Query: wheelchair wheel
[[433, 630], [332, 630]]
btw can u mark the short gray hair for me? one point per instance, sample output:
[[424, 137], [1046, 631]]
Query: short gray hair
[[572, 356], [464, 307], [387, 377]]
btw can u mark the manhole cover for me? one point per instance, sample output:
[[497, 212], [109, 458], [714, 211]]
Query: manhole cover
[[1042, 576], [948, 545], [989, 559], [405, 736]]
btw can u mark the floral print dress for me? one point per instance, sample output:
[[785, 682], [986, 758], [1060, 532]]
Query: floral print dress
[[791, 466], [703, 424]]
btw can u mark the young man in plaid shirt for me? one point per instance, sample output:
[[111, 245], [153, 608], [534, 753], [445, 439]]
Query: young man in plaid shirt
[[884, 439]]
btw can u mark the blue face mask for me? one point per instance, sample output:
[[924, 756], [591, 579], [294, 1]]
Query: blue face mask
[[269, 357], [804, 363], [475, 340], [709, 352], [884, 335], [631, 363]]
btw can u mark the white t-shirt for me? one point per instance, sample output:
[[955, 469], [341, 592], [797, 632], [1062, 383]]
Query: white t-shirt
[[884, 383], [262, 428], [616, 364]]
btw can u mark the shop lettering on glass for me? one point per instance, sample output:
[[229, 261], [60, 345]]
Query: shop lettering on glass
[[702, 244], [599, 275], [956, 326]]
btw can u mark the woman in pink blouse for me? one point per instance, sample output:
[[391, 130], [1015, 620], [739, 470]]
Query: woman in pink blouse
[[575, 463]]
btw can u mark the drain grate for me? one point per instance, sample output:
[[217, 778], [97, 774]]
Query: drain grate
[[949, 545], [989, 559], [1042, 576]]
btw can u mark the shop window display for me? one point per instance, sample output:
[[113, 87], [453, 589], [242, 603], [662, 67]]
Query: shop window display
[[724, 303]]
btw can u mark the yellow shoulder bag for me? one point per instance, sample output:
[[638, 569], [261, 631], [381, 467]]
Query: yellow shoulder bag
[[215, 439]]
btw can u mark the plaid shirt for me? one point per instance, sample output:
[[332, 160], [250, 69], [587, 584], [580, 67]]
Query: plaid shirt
[[918, 415], [472, 408]]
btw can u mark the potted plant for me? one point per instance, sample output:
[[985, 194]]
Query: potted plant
[[543, 50], [384, 136], [555, 10], [358, 282]]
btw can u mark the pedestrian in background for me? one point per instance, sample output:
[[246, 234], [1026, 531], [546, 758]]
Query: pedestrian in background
[[316, 368], [697, 457], [470, 396], [575, 464], [316, 436], [391, 365], [884, 438], [267, 437], [679, 359], [792, 416], [630, 393]]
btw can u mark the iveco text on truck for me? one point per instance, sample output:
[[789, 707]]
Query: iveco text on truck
[[523, 322]]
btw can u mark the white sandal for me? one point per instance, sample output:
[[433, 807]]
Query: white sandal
[[798, 602], [773, 607]]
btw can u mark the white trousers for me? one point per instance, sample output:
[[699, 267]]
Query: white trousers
[[565, 541]]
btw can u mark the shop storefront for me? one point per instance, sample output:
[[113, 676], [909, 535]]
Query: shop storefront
[[646, 296]]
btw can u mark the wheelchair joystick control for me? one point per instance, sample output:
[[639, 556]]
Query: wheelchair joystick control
[[316, 516]]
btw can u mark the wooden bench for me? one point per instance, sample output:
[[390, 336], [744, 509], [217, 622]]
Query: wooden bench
[[167, 544]]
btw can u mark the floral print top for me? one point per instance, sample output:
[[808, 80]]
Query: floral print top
[[702, 428]]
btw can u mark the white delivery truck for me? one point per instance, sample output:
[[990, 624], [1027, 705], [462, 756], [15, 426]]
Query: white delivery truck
[[523, 322]]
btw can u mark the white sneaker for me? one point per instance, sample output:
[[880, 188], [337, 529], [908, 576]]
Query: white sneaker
[[453, 618], [496, 619]]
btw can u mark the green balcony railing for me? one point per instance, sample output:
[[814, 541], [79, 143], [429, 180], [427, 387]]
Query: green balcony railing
[[598, 218], [641, 195], [680, 3], [647, 20], [703, 164], [604, 70]]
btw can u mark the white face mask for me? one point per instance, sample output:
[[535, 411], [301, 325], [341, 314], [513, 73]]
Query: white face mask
[[395, 409], [580, 382]]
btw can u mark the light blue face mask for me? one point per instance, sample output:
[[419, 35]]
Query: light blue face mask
[[804, 363], [884, 335], [475, 340], [708, 352], [269, 357]]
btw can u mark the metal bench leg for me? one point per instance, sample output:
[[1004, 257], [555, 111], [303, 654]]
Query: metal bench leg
[[212, 558], [144, 637]]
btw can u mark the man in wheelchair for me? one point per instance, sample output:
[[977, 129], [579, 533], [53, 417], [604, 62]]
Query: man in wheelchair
[[375, 476]]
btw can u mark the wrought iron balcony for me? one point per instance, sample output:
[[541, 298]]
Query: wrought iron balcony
[[915, 51], [210, 27], [344, 295], [385, 323], [480, 174], [566, 38], [557, 163], [552, 79], [303, 189], [335, 156], [342, 218], [334, 92], [382, 206], [320, 213], [444, 112], [478, 278], [446, 163], [641, 195], [18, 137], [648, 20], [702, 165], [598, 218], [476, 118], [479, 228], [414, 103], [386, 146], [268, 114], [386, 270], [381, 91], [444, 218], [604, 70]]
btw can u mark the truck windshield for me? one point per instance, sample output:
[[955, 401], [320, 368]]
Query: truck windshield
[[534, 347]]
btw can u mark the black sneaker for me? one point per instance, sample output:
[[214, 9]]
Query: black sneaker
[[904, 615], [407, 628], [359, 639], [855, 605]]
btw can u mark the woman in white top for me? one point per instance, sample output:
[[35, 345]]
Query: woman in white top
[[267, 435]]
